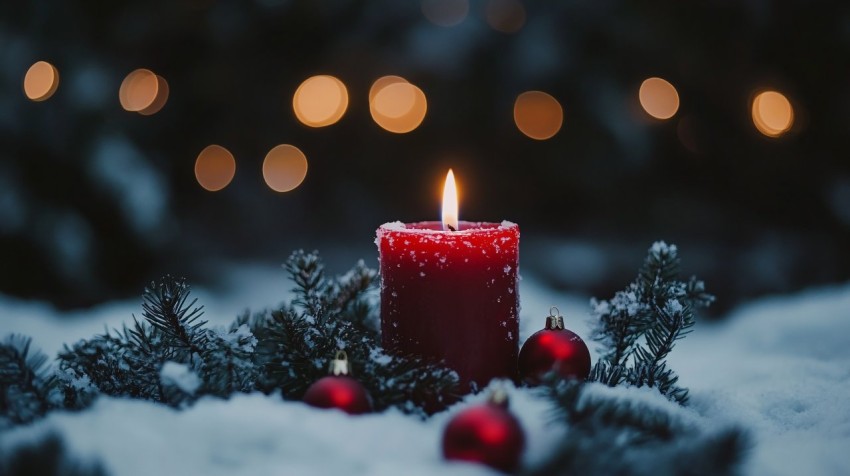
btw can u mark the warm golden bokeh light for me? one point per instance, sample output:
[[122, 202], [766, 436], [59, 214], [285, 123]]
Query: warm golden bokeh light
[[395, 100], [320, 101], [138, 90], [658, 98], [506, 16], [445, 12], [538, 115], [397, 105], [215, 168], [160, 99], [284, 168], [383, 82], [41, 81], [773, 114]]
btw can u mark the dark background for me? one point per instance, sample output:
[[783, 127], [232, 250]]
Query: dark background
[[95, 201]]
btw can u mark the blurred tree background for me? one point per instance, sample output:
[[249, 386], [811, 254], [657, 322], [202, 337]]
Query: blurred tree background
[[96, 200]]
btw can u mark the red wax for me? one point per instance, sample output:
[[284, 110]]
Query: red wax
[[452, 296]]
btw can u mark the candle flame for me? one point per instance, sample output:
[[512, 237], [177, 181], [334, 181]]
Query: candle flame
[[450, 221]]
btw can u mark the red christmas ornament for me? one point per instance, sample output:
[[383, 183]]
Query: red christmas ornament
[[487, 434], [339, 390], [553, 349]]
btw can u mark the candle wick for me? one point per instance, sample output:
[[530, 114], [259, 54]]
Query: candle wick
[[451, 228]]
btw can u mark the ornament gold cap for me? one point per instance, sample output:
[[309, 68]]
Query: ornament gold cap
[[339, 365], [499, 397], [554, 321]]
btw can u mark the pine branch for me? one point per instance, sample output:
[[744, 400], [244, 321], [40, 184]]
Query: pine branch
[[308, 273], [661, 266], [640, 326], [588, 412], [608, 435], [350, 294], [695, 296], [46, 457], [295, 342], [285, 353], [228, 362], [622, 320], [171, 357], [607, 373], [165, 308], [26, 382], [124, 364], [409, 383]]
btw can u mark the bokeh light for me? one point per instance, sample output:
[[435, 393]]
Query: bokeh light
[[383, 82], [160, 99], [396, 105], [658, 98], [538, 115], [773, 114], [320, 101], [139, 90], [41, 81], [215, 168], [506, 16], [445, 12], [284, 168], [395, 100]]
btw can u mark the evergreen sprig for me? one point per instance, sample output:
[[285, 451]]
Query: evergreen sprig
[[26, 382], [129, 362], [47, 456], [170, 355], [608, 435], [296, 341], [640, 325], [165, 308]]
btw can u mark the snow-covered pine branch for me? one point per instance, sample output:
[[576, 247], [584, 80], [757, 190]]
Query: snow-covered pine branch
[[640, 325], [610, 433], [171, 356], [26, 382]]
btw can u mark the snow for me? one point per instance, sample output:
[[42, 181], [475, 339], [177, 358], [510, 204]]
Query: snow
[[240, 334], [256, 434], [662, 247], [435, 230], [394, 225], [181, 376], [778, 367]]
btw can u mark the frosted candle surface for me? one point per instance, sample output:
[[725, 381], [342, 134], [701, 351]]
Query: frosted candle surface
[[452, 295]]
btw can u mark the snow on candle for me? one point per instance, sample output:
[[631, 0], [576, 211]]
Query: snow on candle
[[449, 292]]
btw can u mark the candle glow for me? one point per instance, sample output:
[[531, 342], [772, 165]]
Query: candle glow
[[450, 292], [450, 203]]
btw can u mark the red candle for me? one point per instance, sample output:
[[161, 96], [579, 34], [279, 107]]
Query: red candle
[[449, 292]]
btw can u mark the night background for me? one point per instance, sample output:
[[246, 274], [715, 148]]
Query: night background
[[158, 156], [95, 200]]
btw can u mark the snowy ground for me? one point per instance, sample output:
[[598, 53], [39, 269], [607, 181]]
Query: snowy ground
[[779, 367]]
